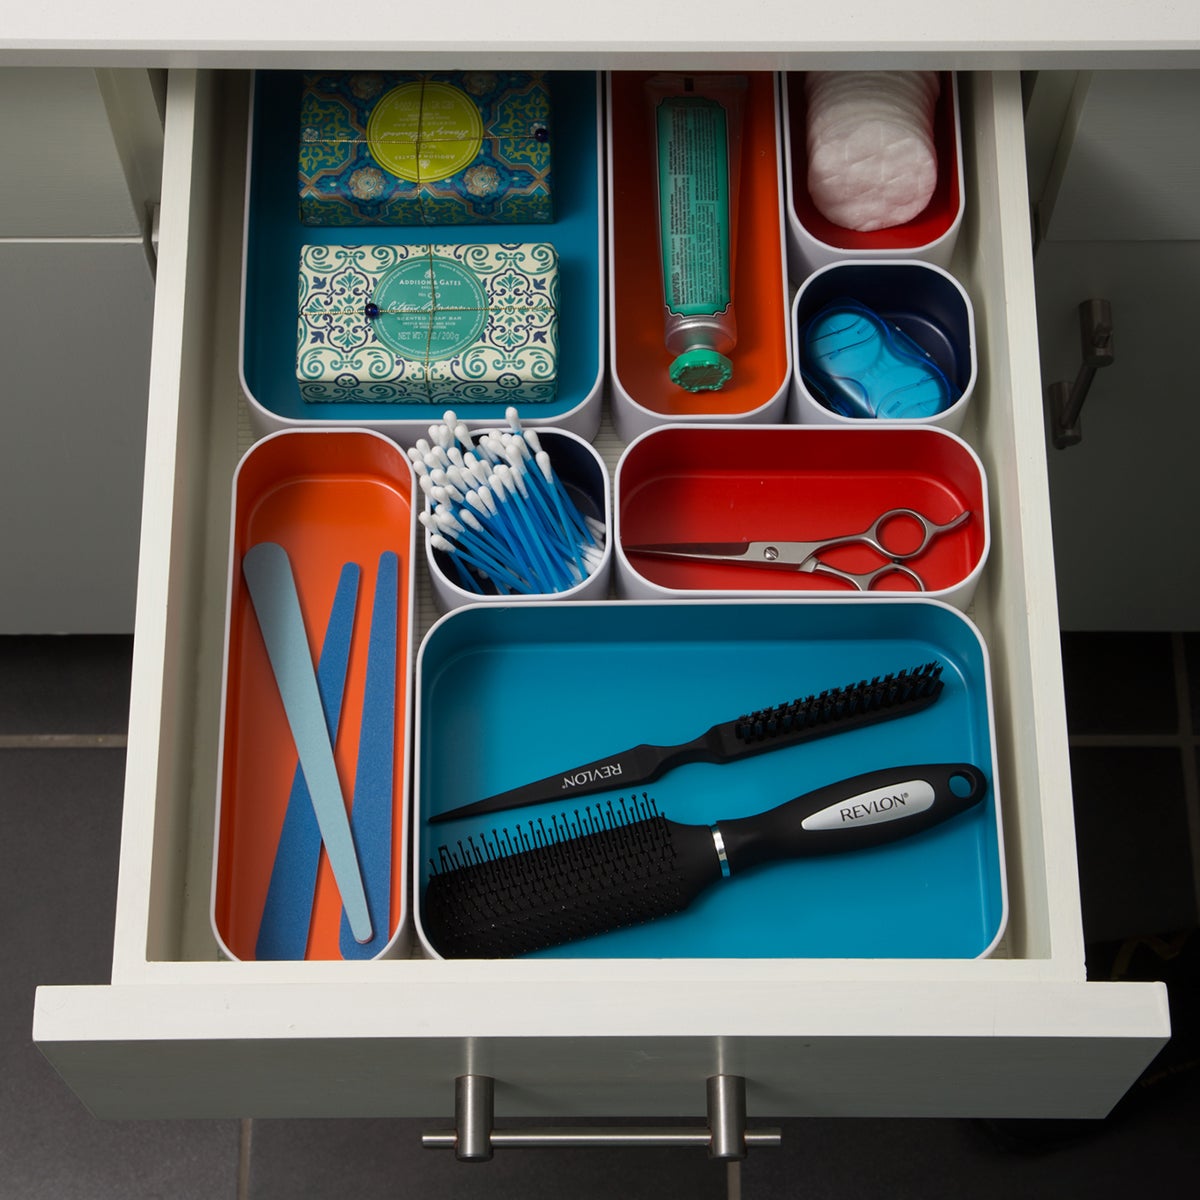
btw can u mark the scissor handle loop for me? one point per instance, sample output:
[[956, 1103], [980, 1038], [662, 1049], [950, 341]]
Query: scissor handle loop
[[929, 531], [866, 580]]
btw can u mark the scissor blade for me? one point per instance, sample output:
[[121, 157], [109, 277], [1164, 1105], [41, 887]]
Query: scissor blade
[[746, 554], [717, 550]]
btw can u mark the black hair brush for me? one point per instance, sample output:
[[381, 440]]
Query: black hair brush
[[833, 711], [624, 864]]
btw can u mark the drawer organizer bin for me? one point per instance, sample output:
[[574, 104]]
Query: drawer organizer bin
[[728, 484], [644, 673], [926, 303], [274, 235], [813, 240], [328, 498], [642, 394], [584, 475]]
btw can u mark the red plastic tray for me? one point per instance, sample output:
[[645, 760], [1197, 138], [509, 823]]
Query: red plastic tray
[[738, 483], [927, 227]]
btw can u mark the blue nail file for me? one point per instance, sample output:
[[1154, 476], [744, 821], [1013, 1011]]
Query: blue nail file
[[371, 813], [287, 914], [268, 574]]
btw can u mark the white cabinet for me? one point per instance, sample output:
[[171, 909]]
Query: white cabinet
[[180, 1033], [83, 148], [1120, 220], [75, 427]]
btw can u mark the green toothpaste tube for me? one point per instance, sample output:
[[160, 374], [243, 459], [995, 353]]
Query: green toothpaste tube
[[697, 139]]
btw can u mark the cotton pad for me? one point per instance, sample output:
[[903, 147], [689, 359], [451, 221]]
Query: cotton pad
[[872, 163]]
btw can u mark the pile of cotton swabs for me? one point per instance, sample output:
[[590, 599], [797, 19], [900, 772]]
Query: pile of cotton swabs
[[499, 510]]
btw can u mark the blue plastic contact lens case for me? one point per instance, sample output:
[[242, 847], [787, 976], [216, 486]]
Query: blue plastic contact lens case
[[865, 366]]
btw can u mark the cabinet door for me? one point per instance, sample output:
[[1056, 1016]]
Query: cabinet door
[[84, 149], [1120, 221], [75, 330], [180, 1033]]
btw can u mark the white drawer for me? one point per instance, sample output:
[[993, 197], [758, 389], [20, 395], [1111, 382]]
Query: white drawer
[[181, 1033]]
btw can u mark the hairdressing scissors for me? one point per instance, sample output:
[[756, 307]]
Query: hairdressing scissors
[[805, 556]]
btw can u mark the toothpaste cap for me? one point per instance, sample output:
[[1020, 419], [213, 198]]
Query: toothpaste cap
[[700, 369]]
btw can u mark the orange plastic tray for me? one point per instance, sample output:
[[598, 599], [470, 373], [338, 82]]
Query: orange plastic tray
[[640, 357], [328, 497]]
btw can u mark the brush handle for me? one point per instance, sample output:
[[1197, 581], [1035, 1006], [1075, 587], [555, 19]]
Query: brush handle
[[852, 814], [630, 768]]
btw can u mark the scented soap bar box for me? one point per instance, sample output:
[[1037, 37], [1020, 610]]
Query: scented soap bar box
[[425, 148], [452, 323]]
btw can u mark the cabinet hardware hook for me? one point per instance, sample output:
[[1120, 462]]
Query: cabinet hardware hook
[[1096, 348]]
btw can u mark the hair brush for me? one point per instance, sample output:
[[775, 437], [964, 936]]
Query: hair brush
[[624, 864], [833, 711]]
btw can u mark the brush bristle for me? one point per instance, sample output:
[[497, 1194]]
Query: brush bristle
[[837, 704], [544, 884]]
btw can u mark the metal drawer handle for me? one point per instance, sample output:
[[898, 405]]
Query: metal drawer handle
[[474, 1139]]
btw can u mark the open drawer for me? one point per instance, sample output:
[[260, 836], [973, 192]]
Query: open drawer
[[179, 1032]]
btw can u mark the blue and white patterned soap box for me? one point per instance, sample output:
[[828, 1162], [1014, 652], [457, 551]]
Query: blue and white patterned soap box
[[428, 323]]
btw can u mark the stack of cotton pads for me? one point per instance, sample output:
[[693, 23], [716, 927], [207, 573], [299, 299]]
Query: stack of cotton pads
[[872, 163]]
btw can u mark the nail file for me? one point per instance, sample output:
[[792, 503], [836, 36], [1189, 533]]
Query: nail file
[[287, 914], [268, 574], [371, 812]]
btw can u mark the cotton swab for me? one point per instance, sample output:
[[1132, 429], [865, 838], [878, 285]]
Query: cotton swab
[[500, 512]]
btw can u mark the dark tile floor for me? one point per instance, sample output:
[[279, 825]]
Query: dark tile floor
[[63, 708]]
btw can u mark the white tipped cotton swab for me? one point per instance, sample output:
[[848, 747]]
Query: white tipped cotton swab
[[559, 495], [461, 569], [498, 501]]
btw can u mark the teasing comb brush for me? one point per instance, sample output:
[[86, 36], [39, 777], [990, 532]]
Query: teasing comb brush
[[834, 711]]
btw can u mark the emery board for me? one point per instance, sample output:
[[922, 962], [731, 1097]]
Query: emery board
[[272, 586], [287, 913], [371, 811]]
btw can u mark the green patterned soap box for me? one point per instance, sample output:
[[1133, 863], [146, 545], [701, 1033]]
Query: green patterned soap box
[[425, 148], [431, 324]]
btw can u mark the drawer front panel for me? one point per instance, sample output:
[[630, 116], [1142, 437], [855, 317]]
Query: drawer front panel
[[1002, 1050]]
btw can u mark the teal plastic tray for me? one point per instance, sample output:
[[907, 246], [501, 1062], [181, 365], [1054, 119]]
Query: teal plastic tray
[[274, 236], [507, 695]]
